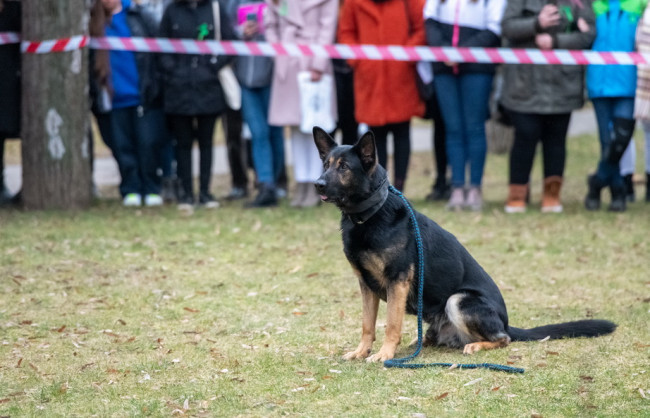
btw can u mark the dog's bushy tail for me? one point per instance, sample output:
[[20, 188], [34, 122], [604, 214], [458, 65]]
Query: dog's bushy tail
[[575, 329]]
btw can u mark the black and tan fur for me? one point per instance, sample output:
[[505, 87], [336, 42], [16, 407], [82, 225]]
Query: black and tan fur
[[462, 305]]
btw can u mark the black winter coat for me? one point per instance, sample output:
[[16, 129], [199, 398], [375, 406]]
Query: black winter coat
[[10, 73], [191, 84]]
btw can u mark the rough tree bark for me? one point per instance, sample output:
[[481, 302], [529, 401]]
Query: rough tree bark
[[55, 118]]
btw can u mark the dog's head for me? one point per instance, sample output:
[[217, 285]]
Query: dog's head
[[350, 173]]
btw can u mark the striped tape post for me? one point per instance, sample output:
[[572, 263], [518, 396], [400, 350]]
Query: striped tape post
[[367, 52]]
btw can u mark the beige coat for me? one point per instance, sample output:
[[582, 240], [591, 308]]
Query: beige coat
[[301, 22]]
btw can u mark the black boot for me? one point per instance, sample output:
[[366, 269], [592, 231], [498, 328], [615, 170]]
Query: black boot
[[441, 190], [592, 201], [264, 199], [629, 188], [619, 203], [647, 187]]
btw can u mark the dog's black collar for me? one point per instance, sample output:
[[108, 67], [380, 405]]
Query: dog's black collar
[[364, 210]]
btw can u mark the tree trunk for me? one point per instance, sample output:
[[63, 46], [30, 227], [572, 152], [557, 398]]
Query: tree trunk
[[55, 118]]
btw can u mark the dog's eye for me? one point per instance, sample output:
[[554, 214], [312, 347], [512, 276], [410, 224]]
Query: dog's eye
[[326, 165], [343, 166]]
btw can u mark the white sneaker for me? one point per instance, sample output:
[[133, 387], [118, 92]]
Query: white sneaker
[[153, 200], [132, 199]]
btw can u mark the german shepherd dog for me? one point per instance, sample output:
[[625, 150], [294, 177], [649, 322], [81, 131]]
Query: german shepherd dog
[[462, 305]]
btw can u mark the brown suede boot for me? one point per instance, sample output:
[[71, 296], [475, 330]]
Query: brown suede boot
[[516, 202], [551, 197]]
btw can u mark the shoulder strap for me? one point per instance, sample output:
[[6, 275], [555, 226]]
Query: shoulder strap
[[217, 20]]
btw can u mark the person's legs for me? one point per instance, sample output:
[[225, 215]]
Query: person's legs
[[150, 132], [232, 125], [254, 111], [448, 92], [205, 134], [381, 141], [345, 104], [441, 189], [646, 132], [304, 156], [182, 129], [475, 92], [527, 128], [402, 152], [554, 132], [616, 115], [124, 141], [5, 196]]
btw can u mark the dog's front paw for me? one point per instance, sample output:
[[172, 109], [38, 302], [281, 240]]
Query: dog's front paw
[[386, 353], [361, 352]]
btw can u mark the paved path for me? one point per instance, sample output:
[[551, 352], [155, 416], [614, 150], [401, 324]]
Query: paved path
[[106, 172]]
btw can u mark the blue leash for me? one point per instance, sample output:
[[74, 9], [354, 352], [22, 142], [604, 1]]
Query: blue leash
[[402, 363]]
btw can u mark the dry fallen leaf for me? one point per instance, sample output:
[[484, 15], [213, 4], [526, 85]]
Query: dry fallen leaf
[[191, 310], [472, 382], [442, 396]]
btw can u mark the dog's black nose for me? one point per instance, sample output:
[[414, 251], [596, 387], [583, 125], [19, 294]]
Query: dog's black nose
[[320, 185]]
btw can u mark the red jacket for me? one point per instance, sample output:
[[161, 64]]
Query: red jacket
[[384, 91]]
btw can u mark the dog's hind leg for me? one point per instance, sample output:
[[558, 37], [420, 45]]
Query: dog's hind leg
[[370, 307], [477, 324]]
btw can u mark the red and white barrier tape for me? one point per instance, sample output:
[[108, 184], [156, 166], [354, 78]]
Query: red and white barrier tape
[[369, 52]]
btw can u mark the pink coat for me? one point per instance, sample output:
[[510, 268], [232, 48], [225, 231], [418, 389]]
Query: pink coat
[[304, 22]]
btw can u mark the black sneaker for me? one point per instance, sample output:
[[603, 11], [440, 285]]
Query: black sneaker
[[208, 201], [267, 197], [237, 193]]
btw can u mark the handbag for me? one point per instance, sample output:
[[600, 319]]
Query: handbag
[[227, 79], [315, 102], [499, 132]]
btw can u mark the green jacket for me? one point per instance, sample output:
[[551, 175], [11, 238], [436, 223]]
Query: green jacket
[[545, 89]]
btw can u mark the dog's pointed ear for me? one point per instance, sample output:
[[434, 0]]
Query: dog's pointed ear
[[324, 142], [367, 151]]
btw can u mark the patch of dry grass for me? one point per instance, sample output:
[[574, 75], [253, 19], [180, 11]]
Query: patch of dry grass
[[115, 312]]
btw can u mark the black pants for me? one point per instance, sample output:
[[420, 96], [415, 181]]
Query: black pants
[[439, 143], [2, 162], [531, 128], [347, 124], [237, 152], [185, 128], [401, 147]]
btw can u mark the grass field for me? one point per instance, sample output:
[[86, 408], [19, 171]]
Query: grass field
[[116, 312]]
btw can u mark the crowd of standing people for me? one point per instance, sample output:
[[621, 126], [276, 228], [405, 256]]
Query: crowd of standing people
[[152, 108]]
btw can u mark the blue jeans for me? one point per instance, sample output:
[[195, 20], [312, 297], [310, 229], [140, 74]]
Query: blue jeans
[[606, 110], [136, 135], [464, 106], [267, 141]]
